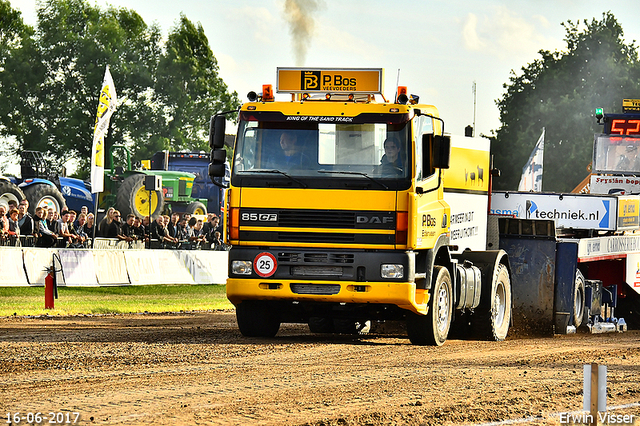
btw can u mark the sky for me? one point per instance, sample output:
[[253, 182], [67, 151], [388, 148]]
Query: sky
[[437, 48]]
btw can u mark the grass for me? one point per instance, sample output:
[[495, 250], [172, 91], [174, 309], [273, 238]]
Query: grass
[[114, 300]]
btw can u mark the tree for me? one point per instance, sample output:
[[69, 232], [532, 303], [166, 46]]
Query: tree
[[560, 92], [52, 81]]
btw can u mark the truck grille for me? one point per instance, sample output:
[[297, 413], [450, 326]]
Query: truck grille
[[317, 219], [315, 226], [320, 257], [321, 289], [317, 237]]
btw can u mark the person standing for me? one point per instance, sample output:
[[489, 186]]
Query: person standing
[[46, 237], [25, 220]]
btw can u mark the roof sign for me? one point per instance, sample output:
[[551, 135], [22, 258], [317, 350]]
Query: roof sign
[[329, 80], [629, 105]]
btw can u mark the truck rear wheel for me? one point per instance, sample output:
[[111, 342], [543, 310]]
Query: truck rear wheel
[[10, 192], [45, 196], [257, 319], [491, 319], [433, 328], [134, 198]]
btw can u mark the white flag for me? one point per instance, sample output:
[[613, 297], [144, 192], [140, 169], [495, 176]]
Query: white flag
[[531, 179], [106, 107]]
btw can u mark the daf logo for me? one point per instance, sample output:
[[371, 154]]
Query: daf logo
[[374, 219]]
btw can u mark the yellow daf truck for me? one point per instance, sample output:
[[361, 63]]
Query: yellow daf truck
[[346, 208]]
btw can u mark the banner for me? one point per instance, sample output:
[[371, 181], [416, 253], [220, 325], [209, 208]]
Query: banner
[[531, 179], [106, 107], [12, 271], [78, 268]]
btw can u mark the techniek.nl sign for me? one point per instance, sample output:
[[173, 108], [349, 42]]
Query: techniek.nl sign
[[568, 211]]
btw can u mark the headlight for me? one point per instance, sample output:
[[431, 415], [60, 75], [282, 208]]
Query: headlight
[[241, 267], [392, 271]]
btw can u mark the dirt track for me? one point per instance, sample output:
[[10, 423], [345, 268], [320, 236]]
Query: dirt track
[[197, 369]]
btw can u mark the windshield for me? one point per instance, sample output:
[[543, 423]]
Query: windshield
[[616, 154], [367, 152]]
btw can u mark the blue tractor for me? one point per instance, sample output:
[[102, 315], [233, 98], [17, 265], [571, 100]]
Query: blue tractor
[[45, 188]]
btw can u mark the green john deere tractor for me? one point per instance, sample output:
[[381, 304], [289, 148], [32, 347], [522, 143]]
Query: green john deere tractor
[[125, 190]]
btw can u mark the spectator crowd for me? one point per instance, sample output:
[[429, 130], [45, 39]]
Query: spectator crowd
[[48, 228]]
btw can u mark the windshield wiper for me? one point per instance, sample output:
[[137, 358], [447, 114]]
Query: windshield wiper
[[343, 172], [274, 171]]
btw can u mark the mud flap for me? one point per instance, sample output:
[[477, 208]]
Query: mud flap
[[532, 260], [566, 267]]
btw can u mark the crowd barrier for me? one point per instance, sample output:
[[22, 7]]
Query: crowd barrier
[[84, 267]]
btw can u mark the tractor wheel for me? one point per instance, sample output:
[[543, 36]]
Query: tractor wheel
[[433, 328], [197, 207], [491, 319], [45, 196], [134, 198], [9, 192], [257, 319]]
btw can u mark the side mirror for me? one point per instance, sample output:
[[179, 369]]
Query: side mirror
[[441, 151], [217, 164], [436, 152], [216, 170], [217, 127], [218, 156]]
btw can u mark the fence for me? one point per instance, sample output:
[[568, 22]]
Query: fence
[[26, 266]]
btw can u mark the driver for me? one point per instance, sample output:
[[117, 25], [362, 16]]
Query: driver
[[291, 155], [391, 162]]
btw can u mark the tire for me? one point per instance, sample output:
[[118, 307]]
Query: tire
[[10, 192], [321, 325], [433, 328], [134, 198], [492, 318], [257, 319], [197, 207], [579, 300], [44, 195]]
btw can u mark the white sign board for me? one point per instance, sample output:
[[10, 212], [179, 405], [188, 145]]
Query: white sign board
[[614, 185], [567, 210]]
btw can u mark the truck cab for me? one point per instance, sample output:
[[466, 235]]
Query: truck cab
[[337, 214]]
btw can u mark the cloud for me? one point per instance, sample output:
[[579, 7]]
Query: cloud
[[470, 35], [344, 45], [257, 21], [503, 33]]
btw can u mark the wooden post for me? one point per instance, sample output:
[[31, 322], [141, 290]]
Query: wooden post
[[594, 395]]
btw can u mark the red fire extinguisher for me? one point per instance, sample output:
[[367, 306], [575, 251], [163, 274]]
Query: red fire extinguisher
[[50, 288]]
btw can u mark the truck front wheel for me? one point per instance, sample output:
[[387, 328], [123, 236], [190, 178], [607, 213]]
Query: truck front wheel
[[257, 319], [433, 328]]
